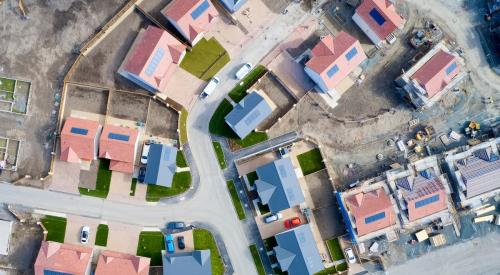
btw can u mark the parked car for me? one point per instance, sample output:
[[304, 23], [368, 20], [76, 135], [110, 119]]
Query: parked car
[[210, 87], [145, 152], [84, 234], [169, 243], [142, 174], [176, 225], [180, 242], [273, 217], [243, 71], [293, 222], [350, 255]]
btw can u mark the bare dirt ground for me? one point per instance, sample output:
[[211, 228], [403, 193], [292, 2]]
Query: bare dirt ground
[[39, 49], [162, 121], [78, 98], [128, 106]]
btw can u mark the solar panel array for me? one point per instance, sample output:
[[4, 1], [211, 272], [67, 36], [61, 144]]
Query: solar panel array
[[375, 14], [423, 187], [480, 176], [118, 137], [451, 68], [79, 131], [404, 183], [158, 55], [200, 10], [351, 54], [333, 70], [426, 201], [375, 217]]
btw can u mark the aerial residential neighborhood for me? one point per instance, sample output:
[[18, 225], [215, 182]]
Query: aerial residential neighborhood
[[214, 137]]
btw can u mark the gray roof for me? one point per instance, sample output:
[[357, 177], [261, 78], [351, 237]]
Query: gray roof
[[480, 175], [193, 263], [278, 185], [248, 114], [161, 165], [297, 252], [233, 5]]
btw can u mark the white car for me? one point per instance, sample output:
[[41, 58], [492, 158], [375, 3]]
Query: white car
[[145, 152], [273, 217], [210, 87], [84, 234], [244, 70], [350, 255]]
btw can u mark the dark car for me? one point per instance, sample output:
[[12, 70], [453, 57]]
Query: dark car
[[176, 225], [142, 174], [180, 242]]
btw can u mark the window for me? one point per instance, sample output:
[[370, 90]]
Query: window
[[79, 131], [50, 272], [451, 68], [200, 10], [118, 137], [426, 201], [375, 14], [351, 54], [155, 61], [375, 217], [333, 70]]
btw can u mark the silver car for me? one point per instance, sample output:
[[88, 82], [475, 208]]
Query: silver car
[[84, 234], [273, 217]]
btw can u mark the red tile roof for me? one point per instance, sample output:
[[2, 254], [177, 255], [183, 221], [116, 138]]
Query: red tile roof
[[387, 10], [331, 51], [365, 205], [78, 138], [423, 189], [66, 258], [432, 75], [120, 152], [180, 11], [115, 263]]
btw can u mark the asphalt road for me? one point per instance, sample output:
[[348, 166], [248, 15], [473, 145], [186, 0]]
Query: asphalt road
[[210, 203]]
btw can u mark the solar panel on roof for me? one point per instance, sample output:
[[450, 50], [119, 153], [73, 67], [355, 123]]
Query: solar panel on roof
[[251, 117], [50, 272], [333, 70], [427, 201], [79, 131], [351, 54], [375, 14], [482, 154], [118, 137], [426, 174], [404, 183], [451, 68], [375, 217], [200, 10], [158, 55]]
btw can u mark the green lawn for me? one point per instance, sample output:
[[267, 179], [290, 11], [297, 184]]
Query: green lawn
[[220, 154], [263, 209], [252, 177], [102, 182], [56, 227], [7, 84], [203, 239], [311, 161], [133, 185], [327, 271], [341, 267], [181, 159], [205, 59], [180, 184], [239, 92], [217, 125], [252, 139], [335, 249], [183, 135], [150, 245], [270, 243], [101, 237], [240, 211], [257, 260]]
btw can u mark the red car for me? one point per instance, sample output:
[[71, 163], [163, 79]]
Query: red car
[[293, 222]]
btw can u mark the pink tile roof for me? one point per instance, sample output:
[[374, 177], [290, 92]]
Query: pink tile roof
[[142, 53], [387, 10], [115, 263], [180, 11], [76, 147], [120, 152], [67, 258], [331, 51], [364, 205], [422, 189], [432, 75]]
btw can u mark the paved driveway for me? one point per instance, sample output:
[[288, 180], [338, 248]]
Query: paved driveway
[[74, 227], [66, 177], [123, 237]]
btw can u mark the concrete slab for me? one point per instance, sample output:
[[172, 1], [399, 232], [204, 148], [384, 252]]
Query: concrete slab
[[119, 188], [183, 88], [66, 177], [74, 227], [123, 237]]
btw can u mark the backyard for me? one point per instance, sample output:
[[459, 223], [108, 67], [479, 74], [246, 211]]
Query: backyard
[[101, 237], [205, 59], [240, 211], [102, 182], [56, 228], [203, 239], [150, 245], [180, 184], [311, 161], [220, 154]]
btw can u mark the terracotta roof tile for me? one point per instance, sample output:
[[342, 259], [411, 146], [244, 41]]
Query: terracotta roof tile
[[115, 263], [78, 139], [66, 258], [432, 75], [119, 145]]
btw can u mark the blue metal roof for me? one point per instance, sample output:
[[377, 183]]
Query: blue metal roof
[[118, 136], [248, 114], [193, 263], [278, 185], [79, 131], [161, 165], [297, 252], [233, 5]]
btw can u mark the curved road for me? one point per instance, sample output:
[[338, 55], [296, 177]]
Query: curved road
[[211, 203]]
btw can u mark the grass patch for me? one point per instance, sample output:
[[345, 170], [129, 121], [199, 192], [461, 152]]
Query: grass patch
[[102, 182], [341, 267], [101, 237], [183, 135], [180, 184], [150, 245], [311, 161], [220, 154], [7, 84], [56, 228], [239, 92], [270, 243], [181, 159], [252, 177], [327, 271], [252, 139], [217, 125], [240, 211], [205, 59], [203, 239], [133, 185], [257, 260], [263, 209], [335, 249]]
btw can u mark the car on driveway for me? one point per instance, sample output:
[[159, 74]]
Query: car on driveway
[[273, 217], [145, 153], [84, 234], [169, 243], [142, 174], [176, 225], [208, 90], [180, 242], [243, 71], [293, 222], [350, 255]]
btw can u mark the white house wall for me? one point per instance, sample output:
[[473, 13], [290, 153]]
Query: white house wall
[[366, 29], [317, 79]]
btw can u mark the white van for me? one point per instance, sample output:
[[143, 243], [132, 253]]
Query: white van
[[243, 71], [208, 90]]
